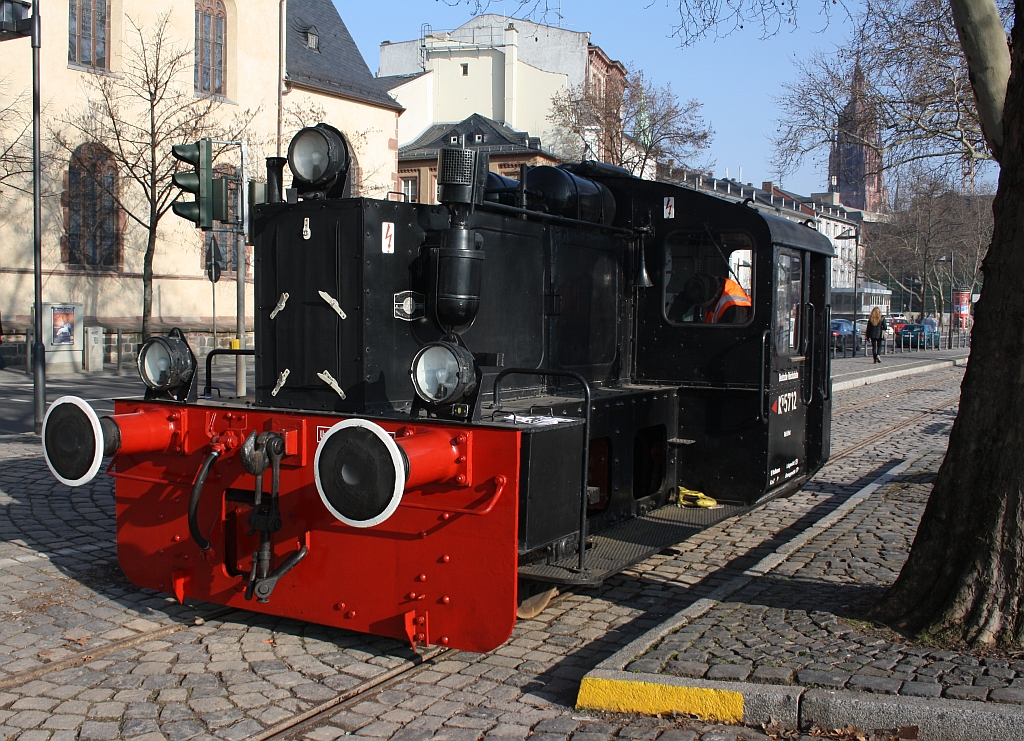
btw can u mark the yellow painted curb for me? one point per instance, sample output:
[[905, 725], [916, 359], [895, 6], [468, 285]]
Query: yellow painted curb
[[651, 699]]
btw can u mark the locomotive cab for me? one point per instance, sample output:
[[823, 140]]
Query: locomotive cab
[[460, 406], [753, 383]]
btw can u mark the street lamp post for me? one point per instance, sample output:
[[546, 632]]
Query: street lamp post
[[952, 299], [14, 25], [852, 234]]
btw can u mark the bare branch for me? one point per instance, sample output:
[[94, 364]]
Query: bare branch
[[137, 117], [631, 123], [914, 97]]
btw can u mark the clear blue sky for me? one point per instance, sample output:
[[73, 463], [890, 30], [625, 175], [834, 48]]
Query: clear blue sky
[[735, 78]]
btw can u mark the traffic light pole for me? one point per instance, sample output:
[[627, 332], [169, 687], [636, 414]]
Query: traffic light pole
[[38, 349], [211, 205], [240, 270]]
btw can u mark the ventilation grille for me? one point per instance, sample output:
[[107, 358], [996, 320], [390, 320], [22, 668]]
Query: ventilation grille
[[455, 167]]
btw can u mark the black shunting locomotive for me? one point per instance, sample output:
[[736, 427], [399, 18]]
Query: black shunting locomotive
[[460, 407]]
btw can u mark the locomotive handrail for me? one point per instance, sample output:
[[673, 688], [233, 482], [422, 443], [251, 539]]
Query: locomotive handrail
[[209, 365], [491, 205], [810, 335], [762, 414], [586, 439], [499, 483], [825, 388]]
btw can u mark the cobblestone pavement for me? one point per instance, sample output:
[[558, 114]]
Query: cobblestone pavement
[[234, 677]]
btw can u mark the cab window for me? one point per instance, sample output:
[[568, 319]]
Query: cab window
[[708, 278], [789, 291]]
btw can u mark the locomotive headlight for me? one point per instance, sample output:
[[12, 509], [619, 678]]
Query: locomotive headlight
[[443, 373], [166, 362], [317, 155]]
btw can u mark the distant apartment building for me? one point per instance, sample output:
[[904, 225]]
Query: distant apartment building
[[505, 70]]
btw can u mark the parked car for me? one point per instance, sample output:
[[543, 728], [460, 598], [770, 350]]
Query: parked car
[[896, 321], [918, 336], [844, 334]]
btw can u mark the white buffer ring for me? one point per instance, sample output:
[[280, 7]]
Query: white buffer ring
[[397, 461], [97, 431]]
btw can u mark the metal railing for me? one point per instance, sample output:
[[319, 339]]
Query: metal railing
[[957, 339]]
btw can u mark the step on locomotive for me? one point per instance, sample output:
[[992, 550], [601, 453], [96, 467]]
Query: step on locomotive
[[461, 407]]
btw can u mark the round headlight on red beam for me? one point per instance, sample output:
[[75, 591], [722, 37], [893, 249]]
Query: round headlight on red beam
[[166, 363]]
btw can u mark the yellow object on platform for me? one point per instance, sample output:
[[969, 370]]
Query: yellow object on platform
[[236, 344], [692, 498], [649, 698]]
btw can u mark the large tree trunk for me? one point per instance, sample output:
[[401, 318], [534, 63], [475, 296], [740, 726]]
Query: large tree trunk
[[965, 574]]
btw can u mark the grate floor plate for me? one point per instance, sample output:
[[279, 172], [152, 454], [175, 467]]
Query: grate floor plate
[[632, 541]]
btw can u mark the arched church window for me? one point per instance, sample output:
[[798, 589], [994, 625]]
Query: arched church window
[[92, 217]]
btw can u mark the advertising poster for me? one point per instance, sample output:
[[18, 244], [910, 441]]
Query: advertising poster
[[63, 325]]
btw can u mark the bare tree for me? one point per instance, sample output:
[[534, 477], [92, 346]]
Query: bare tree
[[15, 142], [634, 124], [905, 79], [931, 220], [136, 117]]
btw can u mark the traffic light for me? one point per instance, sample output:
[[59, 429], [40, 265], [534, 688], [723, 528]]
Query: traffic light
[[199, 183]]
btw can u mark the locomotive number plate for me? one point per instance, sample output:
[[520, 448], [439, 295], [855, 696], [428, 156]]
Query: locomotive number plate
[[786, 403]]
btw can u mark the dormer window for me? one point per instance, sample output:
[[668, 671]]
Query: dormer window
[[478, 138], [453, 139], [312, 40]]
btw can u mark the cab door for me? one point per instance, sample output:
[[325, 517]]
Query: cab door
[[790, 374]]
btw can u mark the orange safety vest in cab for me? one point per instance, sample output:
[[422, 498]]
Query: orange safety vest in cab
[[732, 295]]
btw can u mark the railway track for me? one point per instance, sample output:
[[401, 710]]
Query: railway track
[[894, 428], [305, 722], [878, 399], [322, 712]]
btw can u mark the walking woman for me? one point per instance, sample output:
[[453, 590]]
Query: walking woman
[[875, 331]]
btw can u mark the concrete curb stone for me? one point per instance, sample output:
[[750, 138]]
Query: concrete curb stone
[[937, 719], [890, 375]]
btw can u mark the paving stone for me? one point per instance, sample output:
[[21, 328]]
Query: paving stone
[[1008, 694], [772, 675], [966, 692], [835, 680], [921, 689], [730, 672], [881, 685], [96, 731]]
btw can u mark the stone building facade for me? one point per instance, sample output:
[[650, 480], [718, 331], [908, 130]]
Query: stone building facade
[[92, 251]]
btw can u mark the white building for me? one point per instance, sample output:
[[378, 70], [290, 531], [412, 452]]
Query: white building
[[505, 70]]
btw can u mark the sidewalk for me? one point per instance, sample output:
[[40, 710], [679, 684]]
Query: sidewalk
[[851, 372], [789, 639]]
